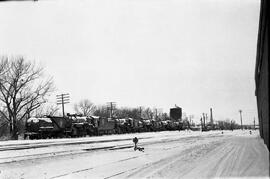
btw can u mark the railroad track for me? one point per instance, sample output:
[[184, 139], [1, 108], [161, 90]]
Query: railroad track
[[20, 158], [85, 149], [57, 143], [13, 159], [49, 143]]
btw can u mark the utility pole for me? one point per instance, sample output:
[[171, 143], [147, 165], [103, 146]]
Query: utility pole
[[111, 107], [140, 112], [190, 118], [211, 118], [240, 111], [203, 120], [254, 123], [62, 99], [201, 124]]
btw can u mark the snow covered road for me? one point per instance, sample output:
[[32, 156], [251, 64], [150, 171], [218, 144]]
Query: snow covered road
[[167, 155]]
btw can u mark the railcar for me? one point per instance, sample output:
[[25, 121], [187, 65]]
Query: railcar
[[123, 126], [48, 127], [80, 125], [105, 126], [137, 125]]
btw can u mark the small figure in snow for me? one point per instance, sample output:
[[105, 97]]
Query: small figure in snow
[[135, 140], [250, 132]]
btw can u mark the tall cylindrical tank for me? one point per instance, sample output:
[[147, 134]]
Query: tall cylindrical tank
[[176, 114]]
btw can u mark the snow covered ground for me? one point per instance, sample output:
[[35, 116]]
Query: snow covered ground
[[167, 155]]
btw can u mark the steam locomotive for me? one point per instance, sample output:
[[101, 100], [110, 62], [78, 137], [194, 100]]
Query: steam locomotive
[[79, 126], [74, 125]]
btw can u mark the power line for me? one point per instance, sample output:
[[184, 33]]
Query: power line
[[62, 99]]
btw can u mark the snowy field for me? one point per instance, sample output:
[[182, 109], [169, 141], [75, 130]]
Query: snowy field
[[167, 155]]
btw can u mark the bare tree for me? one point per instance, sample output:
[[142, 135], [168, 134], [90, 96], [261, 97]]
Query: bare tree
[[47, 110], [3, 70], [101, 111], [85, 107], [3, 66], [128, 112], [22, 89], [148, 113]]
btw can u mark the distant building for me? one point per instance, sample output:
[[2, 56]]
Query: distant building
[[262, 73], [176, 114]]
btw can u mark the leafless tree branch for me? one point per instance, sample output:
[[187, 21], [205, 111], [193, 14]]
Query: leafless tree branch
[[85, 107], [22, 88]]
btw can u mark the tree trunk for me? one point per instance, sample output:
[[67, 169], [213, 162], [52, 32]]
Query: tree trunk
[[15, 134], [10, 128], [14, 131]]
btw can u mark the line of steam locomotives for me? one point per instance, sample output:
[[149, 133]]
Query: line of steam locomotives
[[78, 126]]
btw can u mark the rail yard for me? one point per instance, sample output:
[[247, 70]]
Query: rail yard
[[168, 154], [134, 89]]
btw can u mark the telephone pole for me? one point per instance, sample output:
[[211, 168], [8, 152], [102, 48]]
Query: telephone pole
[[62, 99], [140, 112], [203, 120], [111, 107], [201, 124], [211, 118], [240, 111], [190, 118]]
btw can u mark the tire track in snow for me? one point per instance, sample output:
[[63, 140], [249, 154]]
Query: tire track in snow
[[157, 168], [235, 158], [91, 168], [120, 173], [157, 165]]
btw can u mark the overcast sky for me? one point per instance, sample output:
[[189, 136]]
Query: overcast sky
[[156, 53]]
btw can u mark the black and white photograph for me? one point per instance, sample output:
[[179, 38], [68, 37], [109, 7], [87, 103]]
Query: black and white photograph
[[134, 89]]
